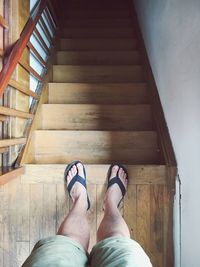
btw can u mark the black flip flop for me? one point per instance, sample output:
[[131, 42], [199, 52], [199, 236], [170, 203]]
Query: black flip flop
[[116, 179], [76, 178]]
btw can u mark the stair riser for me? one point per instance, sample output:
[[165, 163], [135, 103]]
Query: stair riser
[[97, 23], [101, 74], [96, 117], [98, 33], [95, 147], [92, 13], [66, 93], [96, 174], [98, 44], [98, 58]]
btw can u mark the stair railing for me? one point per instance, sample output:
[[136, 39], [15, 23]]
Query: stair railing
[[37, 39]]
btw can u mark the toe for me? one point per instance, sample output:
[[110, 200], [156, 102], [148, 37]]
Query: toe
[[114, 171], [124, 176], [80, 170], [74, 170], [121, 173]]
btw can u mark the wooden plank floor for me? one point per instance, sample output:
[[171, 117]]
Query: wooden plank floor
[[32, 209]]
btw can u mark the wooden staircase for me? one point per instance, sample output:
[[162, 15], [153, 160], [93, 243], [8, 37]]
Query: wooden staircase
[[99, 112]]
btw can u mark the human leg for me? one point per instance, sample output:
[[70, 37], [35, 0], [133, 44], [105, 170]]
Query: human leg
[[115, 247], [75, 225], [69, 246], [113, 223]]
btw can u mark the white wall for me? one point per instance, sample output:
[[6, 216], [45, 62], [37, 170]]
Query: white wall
[[171, 29]]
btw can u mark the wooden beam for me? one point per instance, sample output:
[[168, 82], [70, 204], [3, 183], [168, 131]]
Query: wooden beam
[[20, 87], [8, 174], [3, 22], [15, 113], [31, 47], [12, 142], [29, 69]]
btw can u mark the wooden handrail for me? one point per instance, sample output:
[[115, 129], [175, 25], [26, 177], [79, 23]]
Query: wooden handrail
[[19, 46], [3, 22]]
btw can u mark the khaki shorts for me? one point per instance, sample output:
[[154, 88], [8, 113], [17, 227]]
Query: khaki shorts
[[61, 251]]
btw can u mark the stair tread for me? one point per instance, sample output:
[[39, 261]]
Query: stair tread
[[96, 117], [98, 57], [80, 93], [96, 174], [61, 146], [98, 73]]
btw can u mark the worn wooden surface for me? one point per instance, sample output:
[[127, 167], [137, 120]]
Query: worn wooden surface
[[147, 207], [87, 93], [95, 147], [96, 117], [31, 209], [98, 57]]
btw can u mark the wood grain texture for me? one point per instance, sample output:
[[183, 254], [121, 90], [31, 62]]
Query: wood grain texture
[[96, 117], [98, 57], [96, 174], [36, 213], [95, 147], [49, 210], [15, 113], [94, 93], [100, 74], [146, 209]]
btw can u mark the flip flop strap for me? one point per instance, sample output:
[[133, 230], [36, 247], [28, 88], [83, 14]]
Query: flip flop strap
[[117, 180], [76, 178]]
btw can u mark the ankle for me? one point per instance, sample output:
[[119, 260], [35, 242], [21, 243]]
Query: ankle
[[80, 203], [110, 206]]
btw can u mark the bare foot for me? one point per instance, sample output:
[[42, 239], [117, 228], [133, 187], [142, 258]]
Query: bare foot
[[78, 191], [114, 194]]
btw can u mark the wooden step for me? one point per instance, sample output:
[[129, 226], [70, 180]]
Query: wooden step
[[96, 117], [94, 147], [120, 32], [94, 93], [96, 13], [101, 74], [96, 174], [99, 5], [97, 44], [97, 23], [98, 57]]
